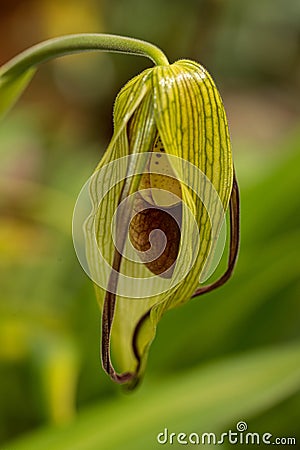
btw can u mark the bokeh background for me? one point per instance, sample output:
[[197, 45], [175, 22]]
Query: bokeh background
[[231, 355]]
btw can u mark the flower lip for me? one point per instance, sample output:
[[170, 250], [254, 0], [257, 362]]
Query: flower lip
[[155, 234]]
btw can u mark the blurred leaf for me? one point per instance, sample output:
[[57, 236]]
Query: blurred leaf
[[206, 399], [11, 88], [56, 364]]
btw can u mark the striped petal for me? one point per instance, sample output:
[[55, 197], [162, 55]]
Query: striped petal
[[192, 125]]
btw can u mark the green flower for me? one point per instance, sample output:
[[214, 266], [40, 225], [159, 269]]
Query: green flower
[[175, 175]]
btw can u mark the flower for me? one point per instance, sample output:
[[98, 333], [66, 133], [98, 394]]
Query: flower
[[166, 180]]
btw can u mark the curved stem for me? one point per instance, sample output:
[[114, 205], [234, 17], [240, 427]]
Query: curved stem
[[76, 43]]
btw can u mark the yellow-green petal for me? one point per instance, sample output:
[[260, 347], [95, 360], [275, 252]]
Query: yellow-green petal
[[133, 111], [192, 124]]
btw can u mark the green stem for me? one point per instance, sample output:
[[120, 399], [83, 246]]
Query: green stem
[[76, 43]]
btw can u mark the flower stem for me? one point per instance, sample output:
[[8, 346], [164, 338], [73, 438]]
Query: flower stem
[[77, 43]]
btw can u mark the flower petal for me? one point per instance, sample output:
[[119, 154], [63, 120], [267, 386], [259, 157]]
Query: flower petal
[[133, 115], [192, 124]]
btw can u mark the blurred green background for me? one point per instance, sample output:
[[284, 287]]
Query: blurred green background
[[229, 356]]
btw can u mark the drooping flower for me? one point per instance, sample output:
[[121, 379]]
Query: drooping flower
[[158, 195]]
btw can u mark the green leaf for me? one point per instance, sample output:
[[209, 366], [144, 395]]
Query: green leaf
[[212, 398], [11, 87]]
